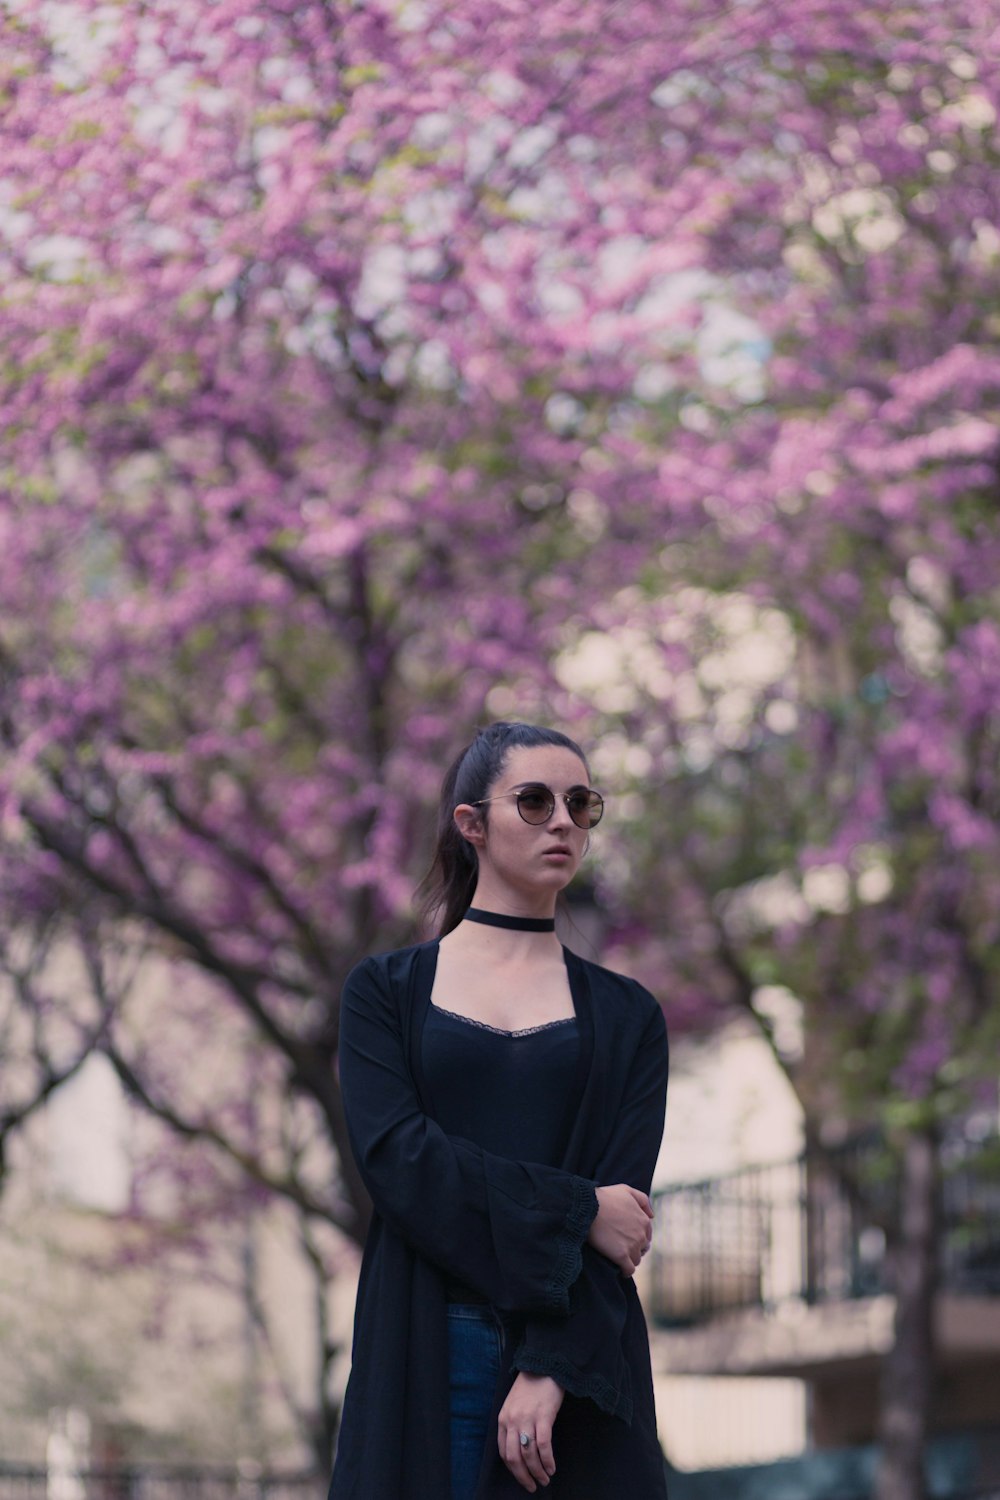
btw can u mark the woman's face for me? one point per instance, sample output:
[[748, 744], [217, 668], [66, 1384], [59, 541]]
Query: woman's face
[[533, 856]]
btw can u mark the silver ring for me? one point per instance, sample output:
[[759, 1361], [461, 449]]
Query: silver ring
[[525, 1439]]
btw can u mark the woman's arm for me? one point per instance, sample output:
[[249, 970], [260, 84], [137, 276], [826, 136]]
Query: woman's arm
[[583, 1351], [514, 1231]]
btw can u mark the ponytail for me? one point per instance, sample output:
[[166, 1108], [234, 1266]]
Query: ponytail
[[446, 891]]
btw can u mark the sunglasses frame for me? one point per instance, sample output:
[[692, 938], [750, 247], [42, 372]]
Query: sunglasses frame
[[595, 800]]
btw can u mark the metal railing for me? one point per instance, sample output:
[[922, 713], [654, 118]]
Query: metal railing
[[814, 1229]]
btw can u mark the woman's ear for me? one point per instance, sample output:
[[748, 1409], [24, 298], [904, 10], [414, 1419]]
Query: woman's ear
[[469, 822]]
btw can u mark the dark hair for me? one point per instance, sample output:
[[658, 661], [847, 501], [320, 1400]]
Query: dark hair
[[447, 889]]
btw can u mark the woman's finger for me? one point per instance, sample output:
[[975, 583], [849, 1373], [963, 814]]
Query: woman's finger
[[532, 1463], [543, 1447], [643, 1200], [533, 1460], [513, 1458]]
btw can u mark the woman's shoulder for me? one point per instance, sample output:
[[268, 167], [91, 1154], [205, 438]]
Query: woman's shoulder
[[613, 988], [389, 966]]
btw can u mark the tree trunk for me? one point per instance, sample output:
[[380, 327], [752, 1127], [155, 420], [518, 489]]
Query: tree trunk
[[907, 1375]]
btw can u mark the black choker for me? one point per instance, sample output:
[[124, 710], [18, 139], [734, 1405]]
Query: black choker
[[520, 924]]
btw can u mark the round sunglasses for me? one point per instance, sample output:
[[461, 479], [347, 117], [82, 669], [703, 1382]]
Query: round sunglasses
[[536, 803]]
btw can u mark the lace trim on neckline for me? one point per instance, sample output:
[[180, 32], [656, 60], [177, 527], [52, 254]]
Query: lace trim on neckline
[[499, 1030]]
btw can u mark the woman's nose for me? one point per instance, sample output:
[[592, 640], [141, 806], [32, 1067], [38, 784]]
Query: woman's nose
[[559, 816]]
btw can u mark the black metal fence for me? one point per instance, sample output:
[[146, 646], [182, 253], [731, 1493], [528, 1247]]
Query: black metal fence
[[154, 1482], [815, 1229]]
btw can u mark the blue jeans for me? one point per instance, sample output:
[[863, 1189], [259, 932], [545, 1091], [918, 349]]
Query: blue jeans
[[475, 1342]]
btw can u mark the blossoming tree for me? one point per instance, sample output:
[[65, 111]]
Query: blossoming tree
[[361, 364]]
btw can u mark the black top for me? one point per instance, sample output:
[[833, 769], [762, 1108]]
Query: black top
[[512, 1092], [516, 1231]]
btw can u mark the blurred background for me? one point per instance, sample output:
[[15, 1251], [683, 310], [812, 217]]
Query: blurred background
[[369, 371]]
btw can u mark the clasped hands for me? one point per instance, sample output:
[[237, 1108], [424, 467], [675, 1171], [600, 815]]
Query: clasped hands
[[622, 1232]]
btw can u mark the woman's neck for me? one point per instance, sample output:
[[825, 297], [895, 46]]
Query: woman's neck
[[493, 896]]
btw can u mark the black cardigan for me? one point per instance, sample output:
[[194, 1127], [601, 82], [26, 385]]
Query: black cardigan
[[515, 1231]]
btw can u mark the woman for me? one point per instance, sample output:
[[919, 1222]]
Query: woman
[[505, 1101]]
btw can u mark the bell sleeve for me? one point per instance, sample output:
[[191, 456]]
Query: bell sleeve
[[584, 1351], [514, 1231]]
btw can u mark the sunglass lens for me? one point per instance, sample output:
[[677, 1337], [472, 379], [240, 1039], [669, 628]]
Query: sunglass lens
[[585, 808], [535, 806]]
